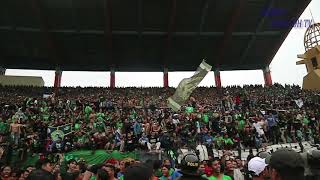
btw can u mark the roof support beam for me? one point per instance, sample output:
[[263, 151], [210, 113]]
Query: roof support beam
[[204, 13], [140, 28], [74, 16], [108, 31], [171, 29], [146, 33], [228, 31], [140, 18], [51, 46], [258, 29], [13, 22]]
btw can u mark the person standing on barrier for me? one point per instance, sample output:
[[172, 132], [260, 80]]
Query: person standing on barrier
[[286, 164], [273, 128]]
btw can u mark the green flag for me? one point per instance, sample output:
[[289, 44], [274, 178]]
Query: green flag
[[77, 126], [206, 118], [189, 109], [88, 110]]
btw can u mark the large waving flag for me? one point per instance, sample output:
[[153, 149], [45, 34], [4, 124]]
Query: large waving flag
[[186, 87]]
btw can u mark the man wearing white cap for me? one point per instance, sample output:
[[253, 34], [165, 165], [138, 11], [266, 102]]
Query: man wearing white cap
[[257, 166]]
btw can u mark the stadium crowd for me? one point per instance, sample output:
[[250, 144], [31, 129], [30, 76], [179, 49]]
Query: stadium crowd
[[129, 119]]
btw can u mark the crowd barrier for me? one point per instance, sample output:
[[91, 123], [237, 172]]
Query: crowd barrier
[[245, 152], [203, 151], [100, 156]]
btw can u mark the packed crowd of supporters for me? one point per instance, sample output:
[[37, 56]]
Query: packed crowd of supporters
[[129, 119]]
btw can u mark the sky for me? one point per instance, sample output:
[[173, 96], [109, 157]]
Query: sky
[[283, 67]]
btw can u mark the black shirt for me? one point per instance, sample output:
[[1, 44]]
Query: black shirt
[[153, 140], [40, 174]]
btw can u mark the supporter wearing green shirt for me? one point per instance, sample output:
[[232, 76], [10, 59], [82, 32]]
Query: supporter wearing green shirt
[[216, 172], [77, 126], [227, 140], [224, 177], [219, 140], [189, 109], [119, 125], [205, 118], [100, 126], [133, 115], [158, 172], [93, 178], [4, 127], [305, 121], [100, 116], [241, 125], [108, 117], [87, 111]]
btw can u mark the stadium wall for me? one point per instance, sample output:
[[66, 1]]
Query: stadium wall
[[21, 81]]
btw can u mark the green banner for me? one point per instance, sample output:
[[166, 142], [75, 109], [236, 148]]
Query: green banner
[[99, 156]]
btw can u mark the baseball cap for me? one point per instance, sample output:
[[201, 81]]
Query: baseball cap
[[138, 171], [265, 155], [257, 165], [284, 159]]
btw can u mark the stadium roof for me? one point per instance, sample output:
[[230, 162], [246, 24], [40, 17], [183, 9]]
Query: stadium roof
[[143, 35]]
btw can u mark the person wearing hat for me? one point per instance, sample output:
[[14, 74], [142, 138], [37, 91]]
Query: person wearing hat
[[189, 167], [286, 164], [258, 168]]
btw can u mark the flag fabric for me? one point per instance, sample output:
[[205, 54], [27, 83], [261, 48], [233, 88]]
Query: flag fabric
[[57, 132], [206, 118], [189, 109], [186, 87]]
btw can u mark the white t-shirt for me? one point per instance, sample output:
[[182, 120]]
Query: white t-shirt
[[237, 175], [258, 127], [175, 121]]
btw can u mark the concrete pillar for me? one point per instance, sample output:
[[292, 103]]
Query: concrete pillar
[[112, 78], [165, 78], [2, 71], [57, 78], [267, 76], [217, 78]]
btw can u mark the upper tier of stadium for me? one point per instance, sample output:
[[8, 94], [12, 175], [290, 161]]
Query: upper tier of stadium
[[144, 35]]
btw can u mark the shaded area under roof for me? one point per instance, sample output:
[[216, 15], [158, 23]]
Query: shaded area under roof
[[144, 35]]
